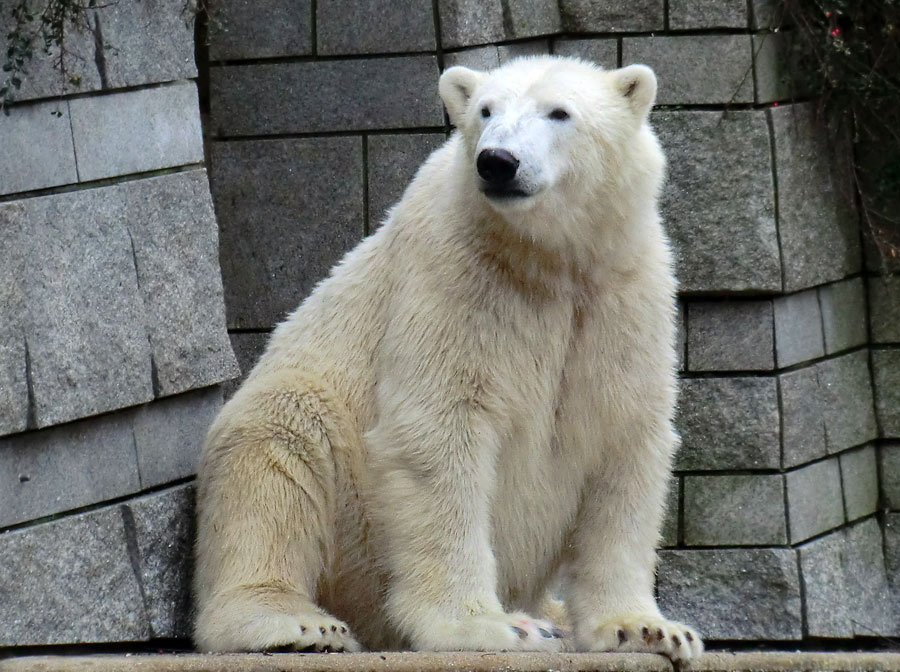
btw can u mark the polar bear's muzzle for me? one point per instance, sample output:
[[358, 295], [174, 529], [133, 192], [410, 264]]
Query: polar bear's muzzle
[[497, 169]]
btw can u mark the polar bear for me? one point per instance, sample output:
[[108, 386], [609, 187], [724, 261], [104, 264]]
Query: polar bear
[[477, 399]]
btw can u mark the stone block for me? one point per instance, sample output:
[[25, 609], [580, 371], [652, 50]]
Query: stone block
[[333, 95], [886, 368], [798, 328], [169, 434], [892, 553], [87, 344], [728, 423], [843, 315], [681, 335], [868, 589], [508, 52], [815, 503], [42, 145], [69, 582], [859, 476], [765, 14], [137, 131], [829, 609], [393, 162], [603, 52], [818, 230], [719, 200], [13, 355], [176, 251], [470, 22], [66, 467], [163, 528], [531, 18], [734, 510], [682, 67], [478, 58], [772, 67], [669, 533], [248, 348], [730, 336], [695, 14], [742, 594], [587, 16], [374, 26], [884, 308], [847, 397], [802, 417], [237, 31], [288, 210], [122, 44], [889, 459]]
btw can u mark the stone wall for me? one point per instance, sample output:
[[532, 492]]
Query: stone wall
[[784, 521], [112, 329]]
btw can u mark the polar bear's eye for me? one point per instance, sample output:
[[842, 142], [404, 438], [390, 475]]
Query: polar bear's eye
[[485, 112], [559, 114]]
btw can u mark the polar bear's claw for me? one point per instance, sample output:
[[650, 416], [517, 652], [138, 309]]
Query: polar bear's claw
[[647, 634]]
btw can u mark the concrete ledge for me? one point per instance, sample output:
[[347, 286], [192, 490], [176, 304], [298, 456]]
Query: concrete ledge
[[446, 662]]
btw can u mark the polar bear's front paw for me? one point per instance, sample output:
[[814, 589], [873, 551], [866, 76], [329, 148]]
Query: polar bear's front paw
[[311, 631], [494, 632], [643, 633]]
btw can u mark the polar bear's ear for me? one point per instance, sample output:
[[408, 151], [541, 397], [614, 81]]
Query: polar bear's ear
[[456, 87], [637, 84]]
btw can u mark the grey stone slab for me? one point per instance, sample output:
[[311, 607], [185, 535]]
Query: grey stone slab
[[847, 395], [725, 510], [248, 348], [137, 131], [730, 336], [772, 67], [163, 526], [374, 26], [393, 162], [867, 581], [843, 315], [798, 328], [508, 52], [743, 594], [859, 476], [176, 251], [681, 335], [694, 14], [603, 52], [70, 581], [532, 17], [829, 610], [818, 229], [66, 467], [892, 556], [586, 16], [889, 468], [288, 210], [117, 44], [669, 532], [334, 95], [237, 31], [815, 503], [169, 434], [728, 423], [765, 14], [682, 67], [88, 348], [477, 58], [719, 200], [886, 369], [884, 308], [471, 22], [41, 143], [802, 417], [13, 357]]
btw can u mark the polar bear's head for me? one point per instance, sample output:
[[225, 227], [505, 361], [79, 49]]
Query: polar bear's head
[[550, 133]]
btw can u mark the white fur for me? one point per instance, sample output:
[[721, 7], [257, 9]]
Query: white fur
[[479, 395]]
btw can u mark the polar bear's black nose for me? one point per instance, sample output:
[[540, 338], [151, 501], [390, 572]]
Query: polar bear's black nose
[[496, 166]]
